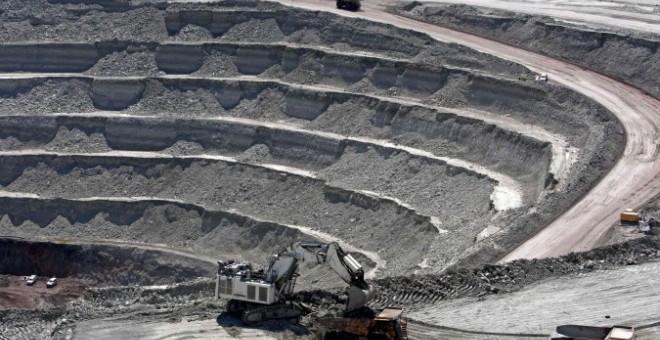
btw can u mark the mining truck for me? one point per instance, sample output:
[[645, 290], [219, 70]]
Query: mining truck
[[385, 325], [629, 217], [267, 294], [350, 5]]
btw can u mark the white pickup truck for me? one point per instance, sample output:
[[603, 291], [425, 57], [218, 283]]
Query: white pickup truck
[[593, 333], [31, 280]]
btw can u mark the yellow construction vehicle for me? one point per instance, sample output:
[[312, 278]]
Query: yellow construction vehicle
[[629, 217], [386, 325]]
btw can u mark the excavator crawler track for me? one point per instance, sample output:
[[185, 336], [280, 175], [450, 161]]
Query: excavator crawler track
[[277, 312]]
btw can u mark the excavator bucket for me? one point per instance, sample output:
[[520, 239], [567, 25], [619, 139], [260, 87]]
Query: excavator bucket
[[358, 297]]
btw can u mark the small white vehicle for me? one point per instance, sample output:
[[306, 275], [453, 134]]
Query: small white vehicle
[[593, 333], [31, 280], [542, 77], [51, 283]]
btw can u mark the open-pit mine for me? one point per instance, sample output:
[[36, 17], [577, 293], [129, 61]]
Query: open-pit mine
[[141, 141]]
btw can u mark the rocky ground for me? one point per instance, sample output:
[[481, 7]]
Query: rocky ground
[[190, 301], [154, 138]]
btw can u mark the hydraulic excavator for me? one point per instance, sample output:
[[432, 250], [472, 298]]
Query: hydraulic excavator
[[267, 294]]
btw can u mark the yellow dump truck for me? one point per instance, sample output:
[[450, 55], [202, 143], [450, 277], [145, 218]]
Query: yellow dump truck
[[629, 216], [386, 325]]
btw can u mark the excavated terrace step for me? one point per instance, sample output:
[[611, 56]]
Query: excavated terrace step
[[345, 214], [285, 64], [249, 58], [186, 57], [289, 61], [223, 22], [288, 145], [309, 106], [154, 165], [232, 23], [263, 23], [215, 232]]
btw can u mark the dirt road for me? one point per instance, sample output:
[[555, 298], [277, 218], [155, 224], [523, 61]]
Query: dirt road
[[628, 14], [632, 181]]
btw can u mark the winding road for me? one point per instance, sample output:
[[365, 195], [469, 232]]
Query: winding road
[[633, 181], [614, 14]]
